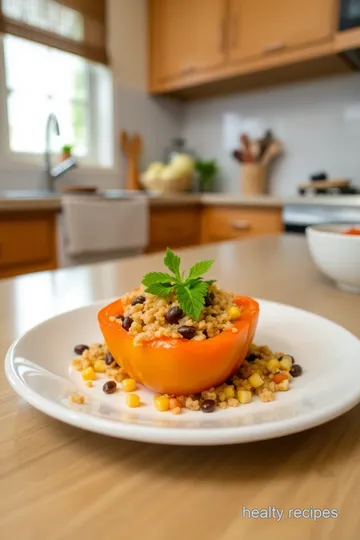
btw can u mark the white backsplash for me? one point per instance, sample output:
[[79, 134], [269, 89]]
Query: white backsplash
[[318, 123]]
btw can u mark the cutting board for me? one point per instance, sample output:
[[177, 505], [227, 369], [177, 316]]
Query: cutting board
[[324, 184]]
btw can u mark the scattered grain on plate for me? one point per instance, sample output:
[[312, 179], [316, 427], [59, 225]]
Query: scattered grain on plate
[[255, 378]]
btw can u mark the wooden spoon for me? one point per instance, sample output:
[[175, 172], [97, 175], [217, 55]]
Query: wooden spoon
[[244, 139], [132, 148], [274, 150]]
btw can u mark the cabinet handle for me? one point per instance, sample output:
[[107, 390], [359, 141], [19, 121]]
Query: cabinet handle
[[273, 47], [222, 36], [233, 31], [187, 70], [240, 225]]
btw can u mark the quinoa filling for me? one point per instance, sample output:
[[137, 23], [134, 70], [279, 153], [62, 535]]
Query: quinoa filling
[[147, 316]]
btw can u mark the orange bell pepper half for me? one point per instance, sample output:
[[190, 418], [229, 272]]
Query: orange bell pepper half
[[180, 366]]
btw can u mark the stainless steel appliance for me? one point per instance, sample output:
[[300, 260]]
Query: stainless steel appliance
[[349, 14], [296, 217]]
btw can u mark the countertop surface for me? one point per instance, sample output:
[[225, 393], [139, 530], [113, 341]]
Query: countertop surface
[[58, 482], [42, 200]]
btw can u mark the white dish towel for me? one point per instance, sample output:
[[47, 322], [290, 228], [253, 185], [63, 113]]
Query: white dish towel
[[93, 225]]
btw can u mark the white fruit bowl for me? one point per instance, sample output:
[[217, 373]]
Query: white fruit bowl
[[337, 255]]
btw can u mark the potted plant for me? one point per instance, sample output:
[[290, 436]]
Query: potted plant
[[66, 152], [206, 171]]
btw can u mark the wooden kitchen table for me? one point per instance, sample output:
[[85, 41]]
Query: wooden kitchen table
[[58, 482]]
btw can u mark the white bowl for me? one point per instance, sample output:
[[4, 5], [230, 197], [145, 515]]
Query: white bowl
[[337, 255]]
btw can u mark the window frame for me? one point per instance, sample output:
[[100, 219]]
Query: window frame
[[25, 160]]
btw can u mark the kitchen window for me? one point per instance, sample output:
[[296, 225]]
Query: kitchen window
[[42, 79]]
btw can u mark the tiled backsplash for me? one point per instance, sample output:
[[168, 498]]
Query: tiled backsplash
[[318, 123]]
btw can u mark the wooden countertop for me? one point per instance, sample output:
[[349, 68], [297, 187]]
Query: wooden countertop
[[58, 482], [37, 200]]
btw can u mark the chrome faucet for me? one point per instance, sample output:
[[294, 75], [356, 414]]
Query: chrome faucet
[[52, 173]]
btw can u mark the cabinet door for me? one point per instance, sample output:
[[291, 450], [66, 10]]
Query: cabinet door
[[187, 36], [263, 27]]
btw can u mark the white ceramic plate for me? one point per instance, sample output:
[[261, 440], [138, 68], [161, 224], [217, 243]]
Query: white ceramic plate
[[37, 366]]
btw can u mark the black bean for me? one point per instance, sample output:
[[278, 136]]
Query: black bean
[[174, 315], [127, 322], [206, 334], [252, 357], [119, 316], [187, 332], [79, 349], [138, 300], [109, 359], [208, 405], [296, 370], [109, 387], [209, 298]]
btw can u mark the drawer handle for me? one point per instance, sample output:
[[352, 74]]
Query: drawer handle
[[273, 47], [187, 70], [240, 225]]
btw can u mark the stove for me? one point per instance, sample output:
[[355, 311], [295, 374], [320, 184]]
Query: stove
[[301, 212]]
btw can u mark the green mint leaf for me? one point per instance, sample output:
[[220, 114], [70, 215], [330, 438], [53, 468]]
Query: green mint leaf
[[172, 261], [191, 297], [159, 289], [156, 277], [199, 269], [211, 281]]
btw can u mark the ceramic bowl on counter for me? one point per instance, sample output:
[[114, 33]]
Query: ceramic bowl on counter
[[336, 254]]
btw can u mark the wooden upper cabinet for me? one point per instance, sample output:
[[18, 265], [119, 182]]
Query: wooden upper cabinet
[[186, 37], [264, 27]]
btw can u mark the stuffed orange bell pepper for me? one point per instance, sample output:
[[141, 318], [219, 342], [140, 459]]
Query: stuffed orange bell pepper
[[176, 365]]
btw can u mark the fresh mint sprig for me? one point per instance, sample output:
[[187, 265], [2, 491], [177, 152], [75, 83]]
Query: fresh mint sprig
[[191, 292]]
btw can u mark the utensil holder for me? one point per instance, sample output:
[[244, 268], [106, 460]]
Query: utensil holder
[[254, 179]]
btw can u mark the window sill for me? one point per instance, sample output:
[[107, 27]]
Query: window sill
[[21, 165]]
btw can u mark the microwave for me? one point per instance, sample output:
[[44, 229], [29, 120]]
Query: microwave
[[349, 14]]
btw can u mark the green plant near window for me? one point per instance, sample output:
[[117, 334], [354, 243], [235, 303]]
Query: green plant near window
[[66, 149], [206, 171]]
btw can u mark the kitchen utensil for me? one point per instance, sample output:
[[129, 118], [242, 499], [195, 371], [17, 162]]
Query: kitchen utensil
[[245, 142], [132, 148], [40, 373], [271, 152], [238, 155], [265, 142], [255, 149]]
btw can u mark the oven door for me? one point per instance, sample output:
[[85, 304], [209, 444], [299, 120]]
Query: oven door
[[349, 14]]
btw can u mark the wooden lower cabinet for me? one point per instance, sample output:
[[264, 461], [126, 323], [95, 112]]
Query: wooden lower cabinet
[[27, 242], [174, 227], [221, 223]]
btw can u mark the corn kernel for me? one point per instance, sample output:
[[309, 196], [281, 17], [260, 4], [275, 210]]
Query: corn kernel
[[283, 386], [161, 403], [133, 400], [100, 366], [229, 391], [129, 385], [286, 363], [255, 380], [273, 365], [88, 374], [234, 313], [89, 384], [244, 396], [77, 398]]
